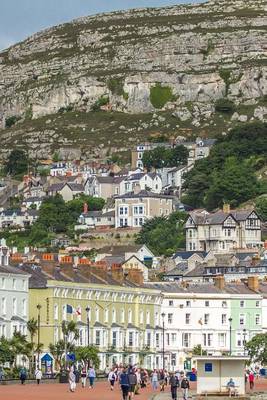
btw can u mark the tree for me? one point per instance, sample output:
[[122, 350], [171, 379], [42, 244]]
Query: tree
[[261, 208], [165, 157], [229, 172], [17, 163], [32, 327], [88, 355], [58, 352], [7, 355], [164, 235], [19, 346], [234, 184], [257, 348], [198, 351]]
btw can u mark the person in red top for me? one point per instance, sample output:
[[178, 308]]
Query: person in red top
[[251, 379]]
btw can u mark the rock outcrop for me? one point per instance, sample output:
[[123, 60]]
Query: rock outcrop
[[122, 61]]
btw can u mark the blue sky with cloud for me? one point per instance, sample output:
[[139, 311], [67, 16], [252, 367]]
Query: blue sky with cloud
[[21, 18]]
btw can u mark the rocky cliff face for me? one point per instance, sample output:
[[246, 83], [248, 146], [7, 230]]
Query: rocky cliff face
[[179, 59]]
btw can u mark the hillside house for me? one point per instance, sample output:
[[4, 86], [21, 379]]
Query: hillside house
[[223, 231], [67, 190], [133, 209]]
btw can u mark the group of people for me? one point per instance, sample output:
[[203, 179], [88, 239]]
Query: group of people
[[74, 376], [132, 379], [23, 375]]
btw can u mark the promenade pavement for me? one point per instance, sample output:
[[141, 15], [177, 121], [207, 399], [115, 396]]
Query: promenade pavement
[[55, 391]]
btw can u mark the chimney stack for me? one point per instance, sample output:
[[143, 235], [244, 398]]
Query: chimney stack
[[253, 283], [226, 208], [219, 282], [136, 276], [117, 272]]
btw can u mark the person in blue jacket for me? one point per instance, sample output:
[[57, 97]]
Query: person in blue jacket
[[125, 384]]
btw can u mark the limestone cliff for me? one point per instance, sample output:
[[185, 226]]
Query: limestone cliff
[[178, 59]]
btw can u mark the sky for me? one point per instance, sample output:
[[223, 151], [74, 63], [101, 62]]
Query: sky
[[21, 18]]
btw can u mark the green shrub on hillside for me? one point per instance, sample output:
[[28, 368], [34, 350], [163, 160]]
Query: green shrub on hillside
[[10, 121], [115, 85], [160, 95], [102, 101], [225, 106]]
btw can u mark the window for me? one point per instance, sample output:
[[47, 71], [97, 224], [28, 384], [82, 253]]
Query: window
[[97, 314], [207, 339], [186, 339], [207, 303], [173, 338], [148, 317], [257, 303], [171, 303], [206, 319], [170, 318], [3, 283], [188, 303], [122, 316], [130, 316], [241, 319], [130, 339], [97, 338], [148, 339], [106, 315], [56, 311], [223, 319], [24, 307], [168, 339], [240, 339], [157, 339], [114, 339], [242, 303], [222, 339], [257, 319], [113, 315], [14, 306], [141, 317], [224, 304], [187, 319]]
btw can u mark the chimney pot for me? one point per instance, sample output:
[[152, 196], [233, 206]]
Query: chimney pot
[[253, 283], [219, 282]]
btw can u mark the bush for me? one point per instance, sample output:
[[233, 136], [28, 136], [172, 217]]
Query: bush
[[160, 95], [225, 106], [115, 86], [103, 101], [10, 121]]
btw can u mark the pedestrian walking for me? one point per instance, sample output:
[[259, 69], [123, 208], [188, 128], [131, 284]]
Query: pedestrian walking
[[83, 377], [132, 382], [251, 379], [154, 379], [174, 383], [38, 375], [1, 374], [162, 380], [23, 375], [185, 385], [72, 380], [125, 384], [91, 376], [112, 379]]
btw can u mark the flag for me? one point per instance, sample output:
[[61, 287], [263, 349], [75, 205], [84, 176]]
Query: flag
[[79, 311], [69, 309], [200, 321]]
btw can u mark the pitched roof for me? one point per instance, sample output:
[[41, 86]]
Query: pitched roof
[[187, 254], [143, 193]]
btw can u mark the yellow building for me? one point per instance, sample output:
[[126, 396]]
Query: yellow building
[[123, 318]]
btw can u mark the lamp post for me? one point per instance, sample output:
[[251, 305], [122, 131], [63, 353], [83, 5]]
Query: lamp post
[[163, 340], [88, 327], [244, 340], [38, 333], [230, 330]]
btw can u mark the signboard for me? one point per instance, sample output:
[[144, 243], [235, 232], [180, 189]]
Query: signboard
[[208, 367]]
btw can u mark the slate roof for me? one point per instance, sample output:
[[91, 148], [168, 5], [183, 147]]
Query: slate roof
[[187, 254], [201, 217], [11, 270], [143, 193], [57, 187]]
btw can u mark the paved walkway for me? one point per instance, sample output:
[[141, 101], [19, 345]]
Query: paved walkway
[[57, 391]]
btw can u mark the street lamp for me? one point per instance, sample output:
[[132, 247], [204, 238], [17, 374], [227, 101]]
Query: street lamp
[[244, 340], [230, 329], [38, 334], [163, 315], [88, 322]]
